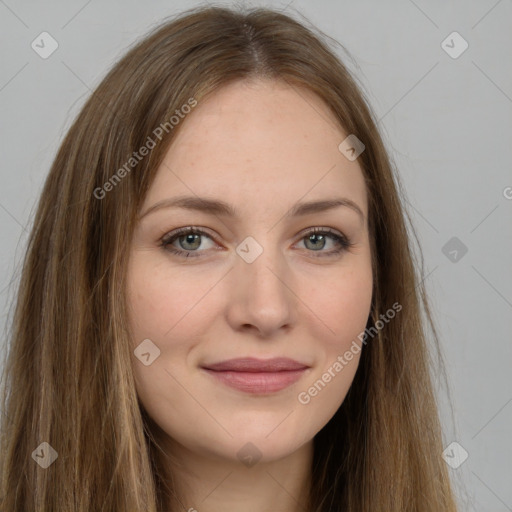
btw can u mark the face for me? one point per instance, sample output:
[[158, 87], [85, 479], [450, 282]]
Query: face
[[256, 282]]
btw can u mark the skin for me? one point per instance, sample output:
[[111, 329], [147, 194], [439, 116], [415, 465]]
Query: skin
[[261, 146]]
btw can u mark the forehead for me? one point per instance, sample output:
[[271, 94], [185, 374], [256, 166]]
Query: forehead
[[259, 144]]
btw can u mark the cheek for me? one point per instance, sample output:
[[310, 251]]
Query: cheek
[[158, 301], [344, 312], [343, 307], [160, 309], [352, 309]]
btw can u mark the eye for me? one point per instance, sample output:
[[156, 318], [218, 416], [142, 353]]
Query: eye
[[315, 238], [189, 240]]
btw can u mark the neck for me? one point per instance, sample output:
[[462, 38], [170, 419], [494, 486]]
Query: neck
[[207, 483]]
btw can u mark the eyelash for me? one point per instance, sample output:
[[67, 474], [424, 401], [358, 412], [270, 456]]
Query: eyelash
[[343, 242]]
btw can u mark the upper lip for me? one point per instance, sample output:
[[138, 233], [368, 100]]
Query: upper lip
[[251, 364]]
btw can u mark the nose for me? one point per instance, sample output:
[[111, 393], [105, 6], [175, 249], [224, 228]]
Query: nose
[[261, 295]]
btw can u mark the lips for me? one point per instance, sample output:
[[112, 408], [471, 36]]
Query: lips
[[250, 364], [257, 376]]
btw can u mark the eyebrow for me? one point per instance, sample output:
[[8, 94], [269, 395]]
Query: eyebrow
[[221, 208]]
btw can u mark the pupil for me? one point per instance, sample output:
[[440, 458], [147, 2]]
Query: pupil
[[318, 237], [190, 239]]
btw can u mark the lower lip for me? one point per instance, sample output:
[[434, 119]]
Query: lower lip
[[260, 382]]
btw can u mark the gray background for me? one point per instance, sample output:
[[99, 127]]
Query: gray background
[[446, 121]]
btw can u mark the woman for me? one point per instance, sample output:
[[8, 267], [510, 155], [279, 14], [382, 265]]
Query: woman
[[219, 307]]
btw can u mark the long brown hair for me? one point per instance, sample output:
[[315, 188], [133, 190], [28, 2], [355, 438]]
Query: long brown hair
[[67, 378]]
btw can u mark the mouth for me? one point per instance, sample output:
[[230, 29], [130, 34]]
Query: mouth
[[257, 376]]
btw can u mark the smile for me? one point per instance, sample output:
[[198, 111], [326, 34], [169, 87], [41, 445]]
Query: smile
[[257, 382]]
